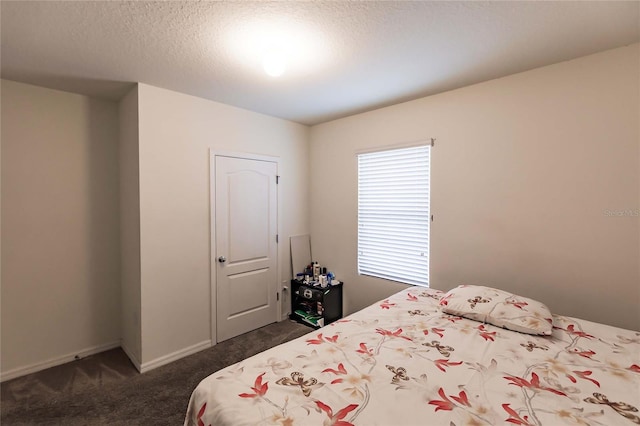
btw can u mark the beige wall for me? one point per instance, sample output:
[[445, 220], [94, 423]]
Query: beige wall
[[60, 232], [130, 226], [105, 219], [176, 134], [523, 170]]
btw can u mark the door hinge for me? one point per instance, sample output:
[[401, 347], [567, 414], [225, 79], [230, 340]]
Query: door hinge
[[277, 239], [431, 218], [277, 179], [277, 296]]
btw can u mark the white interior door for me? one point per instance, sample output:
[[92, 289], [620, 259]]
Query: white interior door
[[246, 206]]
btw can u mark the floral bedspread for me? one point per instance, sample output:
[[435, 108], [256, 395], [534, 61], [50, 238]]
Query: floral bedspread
[[403, 362]]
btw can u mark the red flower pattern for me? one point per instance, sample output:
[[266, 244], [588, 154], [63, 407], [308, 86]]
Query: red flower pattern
[[336, 420], [515, 417], [445, 300], [635, 368], [438, 331], [201, 413], [364, 349], [386, 304], [321, 339], [443, 363], [411, 297], [340, 371], [584, 354], [446, 404], [487, 335], [571, 330], [258, 388], [534, 383], [397, 333], [583, 375], [519, 305]]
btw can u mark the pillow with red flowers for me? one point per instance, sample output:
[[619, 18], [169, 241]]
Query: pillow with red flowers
[[498, 307]]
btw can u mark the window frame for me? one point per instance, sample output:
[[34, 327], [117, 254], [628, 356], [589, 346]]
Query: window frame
[[402, 273]]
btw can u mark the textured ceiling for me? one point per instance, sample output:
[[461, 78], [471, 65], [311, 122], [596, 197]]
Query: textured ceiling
[[357, 55]]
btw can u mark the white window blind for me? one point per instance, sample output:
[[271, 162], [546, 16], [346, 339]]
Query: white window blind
[[393, 214]]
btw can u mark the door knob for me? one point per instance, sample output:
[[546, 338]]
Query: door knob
[[222, 259]]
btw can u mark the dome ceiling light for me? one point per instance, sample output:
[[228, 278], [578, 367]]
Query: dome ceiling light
[[277, 46]]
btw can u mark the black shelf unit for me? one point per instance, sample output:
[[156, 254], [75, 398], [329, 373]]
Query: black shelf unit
[[307, 298]]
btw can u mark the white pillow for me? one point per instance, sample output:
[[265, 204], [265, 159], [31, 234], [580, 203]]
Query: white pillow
[[499, 308]]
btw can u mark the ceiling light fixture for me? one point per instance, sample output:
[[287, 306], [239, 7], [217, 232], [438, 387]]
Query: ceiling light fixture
[[276, 44], [274, 62]]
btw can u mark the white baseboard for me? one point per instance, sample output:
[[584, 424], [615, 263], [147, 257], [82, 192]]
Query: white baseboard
[[134, 359], [166, 359], [43, 365], [141, 367]]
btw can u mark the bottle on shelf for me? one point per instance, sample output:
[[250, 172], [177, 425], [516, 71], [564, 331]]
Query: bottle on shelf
[[316, 271]]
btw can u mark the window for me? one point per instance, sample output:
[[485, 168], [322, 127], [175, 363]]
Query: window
[[393, 214]]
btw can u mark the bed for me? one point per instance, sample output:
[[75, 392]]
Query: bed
[[403, 361]]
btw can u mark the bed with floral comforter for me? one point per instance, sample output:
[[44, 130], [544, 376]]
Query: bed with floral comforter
[[402, 361]]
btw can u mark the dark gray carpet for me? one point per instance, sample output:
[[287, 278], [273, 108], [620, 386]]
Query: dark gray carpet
[[105, 389]]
